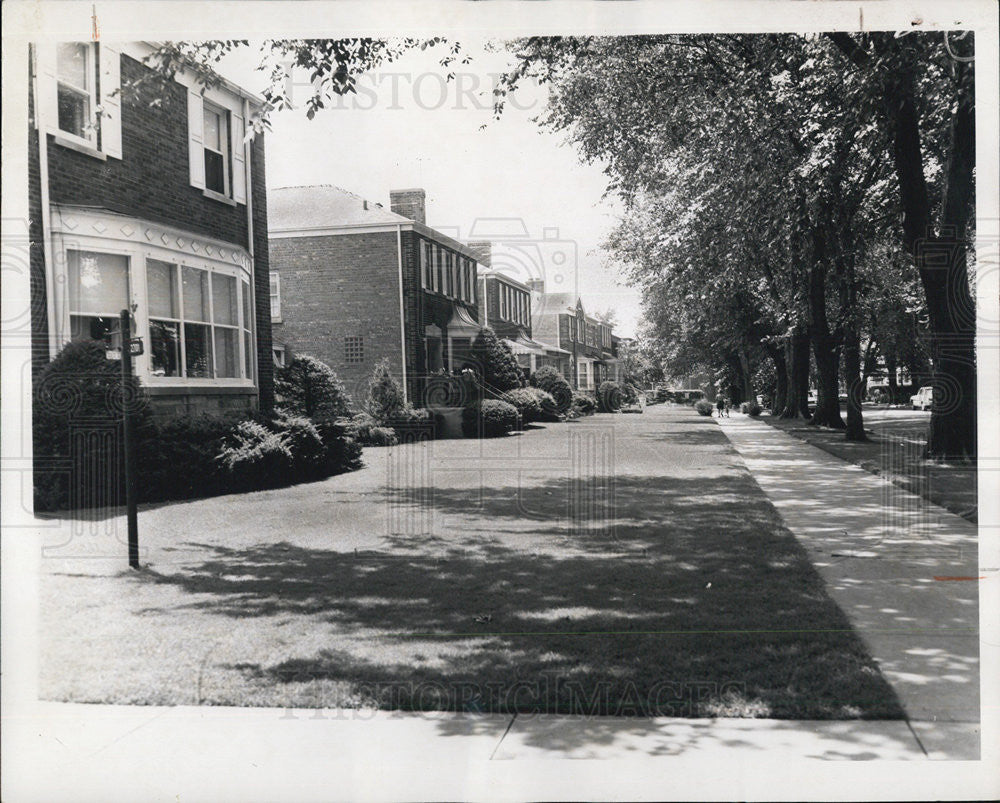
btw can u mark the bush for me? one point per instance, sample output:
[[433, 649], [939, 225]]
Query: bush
[[341, 452], [584, 404], [753, 409], [385, 400], [309, 387], [177, 457], [703, 407], [547, 404], [77, 396], [382, 436], [609, 397], [496, 362], [489, 418], [411, 424], [552, 382], [527, 404]]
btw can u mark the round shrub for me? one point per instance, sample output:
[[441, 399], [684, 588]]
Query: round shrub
[[381, 436], [546, 403], [753, 409], [527, 404], [489, 418], [309, 387], [609, 397], [552, 382], [584, 404], [703, 407]]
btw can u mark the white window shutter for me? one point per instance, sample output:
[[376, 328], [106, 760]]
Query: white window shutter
[[111, 106], [196, 139], [239, 159], [46, 104]]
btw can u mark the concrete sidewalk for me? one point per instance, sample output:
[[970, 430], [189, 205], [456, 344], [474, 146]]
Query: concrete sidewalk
[[902, 569]]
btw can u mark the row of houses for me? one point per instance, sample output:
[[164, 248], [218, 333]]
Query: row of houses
[[162, 208]]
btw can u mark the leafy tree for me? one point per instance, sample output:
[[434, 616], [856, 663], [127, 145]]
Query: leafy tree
[[784, 140], [309, 387], [333, 66]]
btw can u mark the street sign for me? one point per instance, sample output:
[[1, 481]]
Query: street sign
[[134, 348]]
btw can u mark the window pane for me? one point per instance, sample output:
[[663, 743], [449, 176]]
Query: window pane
[[224, 302], [215, 175], [97, 282], [247, 316], [227, 355], [161, 283], [213, 133], [86, 327], [195, 294], [71, 63], [165, 348], [197, 351], [73, 111], [247, 355]]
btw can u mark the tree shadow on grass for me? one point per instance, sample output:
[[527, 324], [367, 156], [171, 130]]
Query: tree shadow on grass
[[677, 597]]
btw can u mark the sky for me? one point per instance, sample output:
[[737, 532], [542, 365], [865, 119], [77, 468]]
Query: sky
[[505, 180]]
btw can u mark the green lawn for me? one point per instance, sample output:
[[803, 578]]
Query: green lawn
[[505, 589]]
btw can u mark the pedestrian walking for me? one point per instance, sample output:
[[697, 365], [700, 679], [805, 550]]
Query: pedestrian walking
[[720, 405], [726, 400]]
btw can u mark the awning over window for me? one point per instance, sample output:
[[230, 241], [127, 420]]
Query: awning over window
[[525, 346], [462, 324]]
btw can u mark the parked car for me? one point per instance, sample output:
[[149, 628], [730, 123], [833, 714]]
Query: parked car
[[923, 399]]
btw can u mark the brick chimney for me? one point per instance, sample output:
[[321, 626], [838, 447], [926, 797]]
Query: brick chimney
[[483, 250], [409, 204]]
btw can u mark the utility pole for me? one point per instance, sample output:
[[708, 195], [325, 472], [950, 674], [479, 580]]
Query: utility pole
[[129, 437]]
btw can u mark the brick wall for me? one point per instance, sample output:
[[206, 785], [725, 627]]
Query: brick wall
[[150, 181], [335, 287]]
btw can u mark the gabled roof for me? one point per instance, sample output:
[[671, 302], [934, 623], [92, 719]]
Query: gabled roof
[[323, 206]]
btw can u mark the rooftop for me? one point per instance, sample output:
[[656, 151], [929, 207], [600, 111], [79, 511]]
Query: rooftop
[[323, 206]]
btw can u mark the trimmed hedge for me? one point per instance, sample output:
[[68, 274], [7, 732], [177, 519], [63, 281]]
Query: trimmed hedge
[[496, 363], [552, 382], [753, 409], [704, 407], [179, 458], [490, 418]]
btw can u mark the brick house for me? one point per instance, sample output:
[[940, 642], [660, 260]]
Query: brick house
[[506, 307], [157, 208], [560, 319], [353, 283]]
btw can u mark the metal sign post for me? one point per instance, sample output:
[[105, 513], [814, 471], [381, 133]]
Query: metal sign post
[[129, 446]]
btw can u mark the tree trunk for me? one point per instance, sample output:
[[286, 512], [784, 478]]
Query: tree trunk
[[777, 355], [941, 261], [797, 360], [890, 374], [855, 384], [824, 345]]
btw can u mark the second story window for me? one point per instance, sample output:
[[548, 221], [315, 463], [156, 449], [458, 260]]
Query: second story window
[[75, 89], [216, 138], [275, 296]]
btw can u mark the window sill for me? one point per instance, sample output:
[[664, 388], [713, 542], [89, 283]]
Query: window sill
[[80, 146], [217, 196]]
